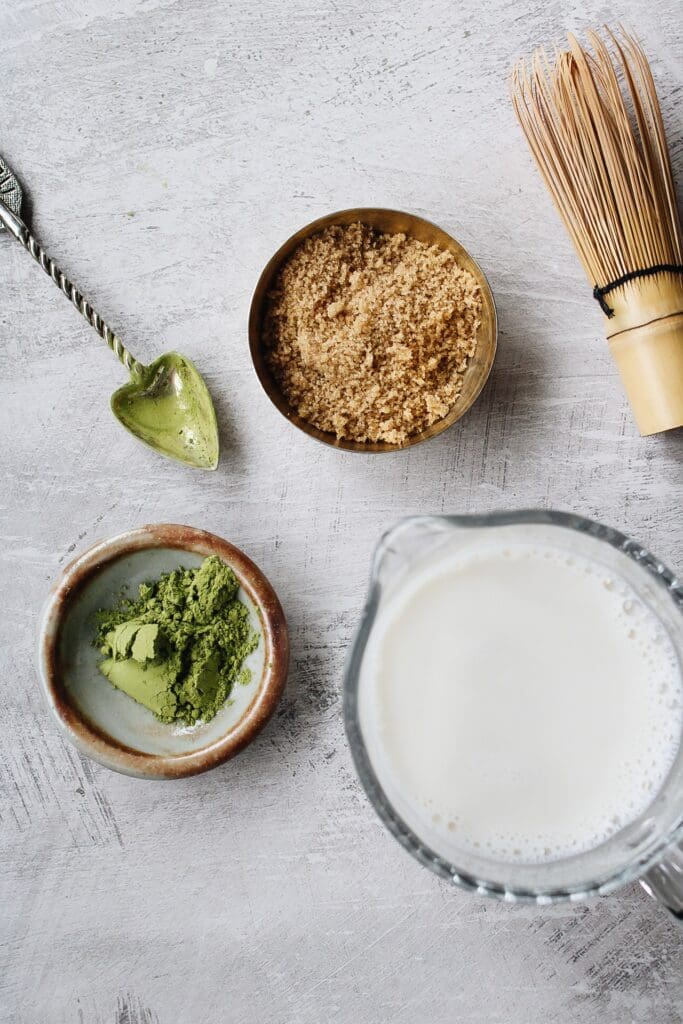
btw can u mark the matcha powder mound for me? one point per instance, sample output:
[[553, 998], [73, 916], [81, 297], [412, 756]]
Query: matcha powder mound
[[181, 646]]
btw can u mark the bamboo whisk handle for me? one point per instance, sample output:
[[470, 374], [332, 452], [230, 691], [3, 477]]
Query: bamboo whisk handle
[[650, 361]]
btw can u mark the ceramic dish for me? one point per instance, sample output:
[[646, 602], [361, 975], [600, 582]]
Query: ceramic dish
[[105, 723], [389, 222]]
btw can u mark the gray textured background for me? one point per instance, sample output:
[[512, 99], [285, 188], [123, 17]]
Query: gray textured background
[[167, 149]]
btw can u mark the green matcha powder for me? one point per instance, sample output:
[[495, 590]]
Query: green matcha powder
[[181, 646]]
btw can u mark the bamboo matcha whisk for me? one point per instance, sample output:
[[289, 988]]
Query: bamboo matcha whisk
[[594, 126]]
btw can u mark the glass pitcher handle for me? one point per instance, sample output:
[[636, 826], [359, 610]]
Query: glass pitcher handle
[[664, 882]]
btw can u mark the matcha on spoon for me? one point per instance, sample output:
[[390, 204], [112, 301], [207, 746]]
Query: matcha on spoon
[[166, 405]]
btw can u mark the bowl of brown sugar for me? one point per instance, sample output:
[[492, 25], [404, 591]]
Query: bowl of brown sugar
[[372, 330]]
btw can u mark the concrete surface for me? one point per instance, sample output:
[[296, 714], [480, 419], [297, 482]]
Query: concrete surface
[[167, 148]]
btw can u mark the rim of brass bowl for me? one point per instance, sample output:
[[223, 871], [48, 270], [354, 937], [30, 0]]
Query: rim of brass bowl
[[389, 222]]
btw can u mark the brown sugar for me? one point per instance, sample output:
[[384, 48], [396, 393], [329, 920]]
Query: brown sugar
[[368, 335]]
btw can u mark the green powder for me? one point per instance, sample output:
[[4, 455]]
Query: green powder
[[180, 647]]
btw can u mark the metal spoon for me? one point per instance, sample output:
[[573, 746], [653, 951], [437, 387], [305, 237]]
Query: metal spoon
[[166, 405]]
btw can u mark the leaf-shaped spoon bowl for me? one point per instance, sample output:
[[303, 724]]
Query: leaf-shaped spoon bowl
[[168, 407]]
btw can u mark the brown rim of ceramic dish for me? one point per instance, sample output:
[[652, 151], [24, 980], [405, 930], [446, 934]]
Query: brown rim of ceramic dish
[[389, 222], [102, 747]]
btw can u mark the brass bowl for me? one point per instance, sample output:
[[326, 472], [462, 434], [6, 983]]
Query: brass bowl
[[389, 222]]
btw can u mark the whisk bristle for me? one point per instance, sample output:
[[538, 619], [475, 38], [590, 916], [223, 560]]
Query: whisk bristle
[[594, 125]]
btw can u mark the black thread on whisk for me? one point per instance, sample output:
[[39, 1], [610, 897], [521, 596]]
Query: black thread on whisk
[[599, 293]]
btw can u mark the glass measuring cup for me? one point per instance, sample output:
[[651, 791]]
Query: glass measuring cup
[[645, 849]]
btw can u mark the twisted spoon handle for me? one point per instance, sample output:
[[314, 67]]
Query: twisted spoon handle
[[18, 229]]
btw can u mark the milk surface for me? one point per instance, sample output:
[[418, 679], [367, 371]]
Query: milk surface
[[524, 700]]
